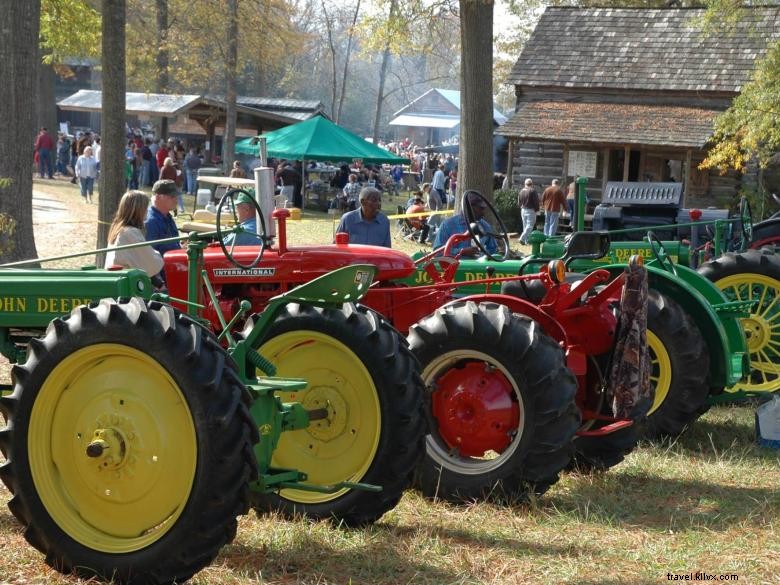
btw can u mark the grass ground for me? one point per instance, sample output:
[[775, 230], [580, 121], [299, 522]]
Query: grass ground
[[707, 502]]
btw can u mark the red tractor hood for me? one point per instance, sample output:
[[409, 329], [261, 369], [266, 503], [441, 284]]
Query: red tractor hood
[[295, 265]]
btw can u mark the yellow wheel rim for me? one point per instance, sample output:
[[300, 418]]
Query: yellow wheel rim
[[660, 370], [343, 446], [124, 402], [762, 328]]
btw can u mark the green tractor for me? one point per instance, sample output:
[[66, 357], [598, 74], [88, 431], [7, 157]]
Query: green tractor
[[134, 436]]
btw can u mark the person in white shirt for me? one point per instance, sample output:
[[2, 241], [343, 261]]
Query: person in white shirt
[[86, 171], [127, 228]]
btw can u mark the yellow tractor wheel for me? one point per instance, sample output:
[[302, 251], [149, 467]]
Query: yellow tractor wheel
[[128, 444]]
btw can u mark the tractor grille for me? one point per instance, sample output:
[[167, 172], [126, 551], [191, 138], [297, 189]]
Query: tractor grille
[[643, 194]]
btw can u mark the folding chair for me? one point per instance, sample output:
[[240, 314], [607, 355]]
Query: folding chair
[[406, 230]]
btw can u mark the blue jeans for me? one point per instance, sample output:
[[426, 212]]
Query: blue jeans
[[146, 173], [529, 221], [191, 177], [87, 183], [572, 219], [551, 222], [44, 163]]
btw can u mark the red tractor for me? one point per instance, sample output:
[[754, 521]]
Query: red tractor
[[511, 383]]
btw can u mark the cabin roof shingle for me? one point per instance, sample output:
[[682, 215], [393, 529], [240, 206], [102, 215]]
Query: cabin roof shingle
[[611, 124], [646, 49]]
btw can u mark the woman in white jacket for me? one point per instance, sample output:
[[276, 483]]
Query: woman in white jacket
[[86, 170], [127, 228]]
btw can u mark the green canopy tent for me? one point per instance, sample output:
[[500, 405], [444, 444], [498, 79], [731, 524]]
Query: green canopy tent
[[318, 139]]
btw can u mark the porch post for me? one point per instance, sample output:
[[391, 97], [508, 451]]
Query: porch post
[[686, 176], [626, 160], [510, 160]]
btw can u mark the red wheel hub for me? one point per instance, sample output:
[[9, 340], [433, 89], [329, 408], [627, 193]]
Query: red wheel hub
[[476, 409]]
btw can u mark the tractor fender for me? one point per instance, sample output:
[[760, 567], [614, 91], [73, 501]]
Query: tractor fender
[[550, 326], [723, 333]]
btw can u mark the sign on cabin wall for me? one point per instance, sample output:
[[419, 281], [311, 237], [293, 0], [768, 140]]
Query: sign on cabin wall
[[582, 163]]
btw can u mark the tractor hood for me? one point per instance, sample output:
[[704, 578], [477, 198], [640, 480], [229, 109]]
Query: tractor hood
[[294, 265]]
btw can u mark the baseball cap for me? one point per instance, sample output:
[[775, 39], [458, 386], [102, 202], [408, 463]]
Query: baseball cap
[[164, 187], [244, 198]]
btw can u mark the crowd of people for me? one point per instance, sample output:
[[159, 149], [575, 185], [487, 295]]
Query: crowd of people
[[172, 170]]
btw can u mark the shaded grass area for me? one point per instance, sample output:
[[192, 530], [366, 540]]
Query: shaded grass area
[[706, 502]]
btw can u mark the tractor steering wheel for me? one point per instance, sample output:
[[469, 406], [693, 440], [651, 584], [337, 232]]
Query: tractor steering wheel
[[228, 203], [746, 215], [657, 247], [471, 223]]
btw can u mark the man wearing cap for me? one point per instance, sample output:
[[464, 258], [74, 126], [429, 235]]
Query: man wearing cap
[[366, 225], [159, 222], [458, 224], [528, 202], [247, 219]]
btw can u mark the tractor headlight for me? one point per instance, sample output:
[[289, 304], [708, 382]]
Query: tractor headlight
[[557, 271]]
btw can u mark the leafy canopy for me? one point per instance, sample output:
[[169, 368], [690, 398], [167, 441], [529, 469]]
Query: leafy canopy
[[69, 28]]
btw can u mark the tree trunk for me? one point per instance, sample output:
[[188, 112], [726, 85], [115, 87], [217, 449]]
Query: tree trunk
[[112, 123], [332, 50], [46, 101], [380, 94], [19, 48], [346, 62], [162, 59], [475, 169], [229, 142]]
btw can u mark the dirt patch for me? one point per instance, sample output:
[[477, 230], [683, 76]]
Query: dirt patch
[[63, 223]]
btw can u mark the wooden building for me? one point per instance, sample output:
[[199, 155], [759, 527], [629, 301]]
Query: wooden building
[[629, 95]]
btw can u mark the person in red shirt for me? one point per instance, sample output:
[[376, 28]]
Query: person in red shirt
[[162, 154], [419, 223], [553, 202], [44, 145]]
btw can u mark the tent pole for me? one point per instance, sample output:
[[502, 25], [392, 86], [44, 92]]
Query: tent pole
[[303, 184]]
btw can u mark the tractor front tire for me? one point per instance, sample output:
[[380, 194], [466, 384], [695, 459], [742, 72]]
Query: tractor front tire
[[361, 370], [681, 390], [754, 275], [502, 404], [128, 445]]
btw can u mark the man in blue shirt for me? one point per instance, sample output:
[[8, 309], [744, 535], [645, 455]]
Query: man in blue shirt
[[437, 184], [458, 224], [247, 218], [159, 222], [366, 225]]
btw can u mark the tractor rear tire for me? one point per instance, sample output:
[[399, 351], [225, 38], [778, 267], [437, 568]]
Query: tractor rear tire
[[518, 371], [128, 445], [766, 236], [754, 274], [362, 371], [681, 390]]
